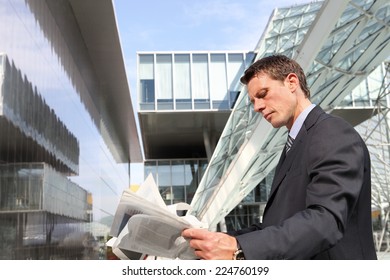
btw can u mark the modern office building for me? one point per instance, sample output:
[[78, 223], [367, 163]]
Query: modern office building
[[342, 47], [185, 101], [67, 127]]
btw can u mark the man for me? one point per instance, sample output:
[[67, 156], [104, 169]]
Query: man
[[320, 201]]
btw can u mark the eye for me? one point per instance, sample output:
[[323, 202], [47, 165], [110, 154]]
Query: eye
[[261, 94]]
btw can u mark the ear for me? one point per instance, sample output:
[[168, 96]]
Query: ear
[[292, 81]]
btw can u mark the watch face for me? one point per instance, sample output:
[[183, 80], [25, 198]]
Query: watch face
[[239, 255]]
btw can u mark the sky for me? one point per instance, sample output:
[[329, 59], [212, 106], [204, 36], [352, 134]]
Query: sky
[[184, 25]]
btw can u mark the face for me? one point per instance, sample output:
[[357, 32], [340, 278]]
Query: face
[[275, 100]]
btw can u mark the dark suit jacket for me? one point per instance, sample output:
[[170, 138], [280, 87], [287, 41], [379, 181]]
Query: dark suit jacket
[[320, 201]]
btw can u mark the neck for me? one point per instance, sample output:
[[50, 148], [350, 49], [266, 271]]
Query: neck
[[302, 104]]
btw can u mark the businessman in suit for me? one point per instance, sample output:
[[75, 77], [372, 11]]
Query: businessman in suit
[[320, 201]]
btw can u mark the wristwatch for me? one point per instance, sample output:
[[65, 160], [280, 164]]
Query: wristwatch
[[238, 254]]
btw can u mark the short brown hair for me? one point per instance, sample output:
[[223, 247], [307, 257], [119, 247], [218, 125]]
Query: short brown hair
[[277, 67]]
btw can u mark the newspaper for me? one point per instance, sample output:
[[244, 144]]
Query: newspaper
[[145, 226]]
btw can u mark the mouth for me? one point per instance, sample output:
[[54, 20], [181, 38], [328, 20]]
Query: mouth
[[267, 116]]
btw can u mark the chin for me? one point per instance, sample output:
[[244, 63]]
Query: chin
[[277, 125]]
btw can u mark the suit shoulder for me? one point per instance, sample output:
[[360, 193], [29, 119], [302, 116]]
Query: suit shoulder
[[332, 120]]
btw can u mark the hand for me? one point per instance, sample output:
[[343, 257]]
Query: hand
[[211, 245]]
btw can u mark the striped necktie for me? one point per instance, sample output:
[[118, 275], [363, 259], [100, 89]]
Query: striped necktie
[[289, 143]]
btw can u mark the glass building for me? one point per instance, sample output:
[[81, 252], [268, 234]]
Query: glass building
[[342, 47], [185, 101], [181, 81], [67, 128]]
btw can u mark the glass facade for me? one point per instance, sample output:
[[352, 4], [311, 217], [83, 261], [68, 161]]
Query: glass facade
[[190, 81], [250, 209], [38, 187], [177, 179], [57, 173], [39, 209], [368, 93]]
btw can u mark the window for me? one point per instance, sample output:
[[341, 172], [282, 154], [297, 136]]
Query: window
[[147, 91], [182, 81], [200, 83], [218, 81], [146, 78], [164, 92]]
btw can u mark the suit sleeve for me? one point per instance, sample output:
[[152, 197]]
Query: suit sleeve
[[335, 174]]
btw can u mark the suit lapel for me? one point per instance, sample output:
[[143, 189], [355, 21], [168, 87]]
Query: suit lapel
[[286, 161], [285, 164], [281, 160]]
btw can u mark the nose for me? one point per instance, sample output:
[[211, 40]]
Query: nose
[[258, 105]]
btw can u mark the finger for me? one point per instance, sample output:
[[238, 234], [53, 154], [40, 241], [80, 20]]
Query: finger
[[199, 254], [194, 233], [186, 233], [197, 244]]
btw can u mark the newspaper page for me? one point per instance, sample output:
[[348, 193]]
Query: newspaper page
[[145, 225]]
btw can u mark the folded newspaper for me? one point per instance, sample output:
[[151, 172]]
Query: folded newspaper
[[145, 226]]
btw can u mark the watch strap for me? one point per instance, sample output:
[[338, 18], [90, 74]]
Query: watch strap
[[238, 254]]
